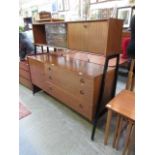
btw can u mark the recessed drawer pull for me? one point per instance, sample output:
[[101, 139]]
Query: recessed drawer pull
[[50, 77], [50, 88], [81, 106], [49, 68], [85, 26], [82, 92], [82, 81]]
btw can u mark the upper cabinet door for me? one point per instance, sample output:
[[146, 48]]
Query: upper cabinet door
[[77, 39], [56, 35], [88, 36]]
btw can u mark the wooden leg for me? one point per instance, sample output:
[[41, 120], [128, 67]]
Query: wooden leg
[[119, 132], [128, 137], [116, 129], [107, 126], [131, 142]]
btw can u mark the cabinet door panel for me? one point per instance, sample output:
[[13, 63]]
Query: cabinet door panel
[[77, 36], [88, 36]]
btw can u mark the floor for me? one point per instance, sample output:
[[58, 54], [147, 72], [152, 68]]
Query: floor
[[54, 129]]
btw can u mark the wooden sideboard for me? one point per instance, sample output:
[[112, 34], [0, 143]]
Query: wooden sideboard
[[74, 82], [74, 78]]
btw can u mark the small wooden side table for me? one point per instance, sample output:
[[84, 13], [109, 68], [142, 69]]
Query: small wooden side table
[[124, 105]]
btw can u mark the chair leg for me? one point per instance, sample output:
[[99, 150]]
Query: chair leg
[[116, 129], [107, 126], [118, 132], [131, 142], [128, 137]]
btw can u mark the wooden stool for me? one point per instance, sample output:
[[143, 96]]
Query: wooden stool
[[124, 105]]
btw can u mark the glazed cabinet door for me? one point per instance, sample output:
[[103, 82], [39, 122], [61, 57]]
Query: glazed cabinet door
[[56, 35]]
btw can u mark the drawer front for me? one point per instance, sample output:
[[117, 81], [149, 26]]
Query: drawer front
[[72, 101], [72, 82], [25, 82], [24, 74], [37, 73], [24, 65]]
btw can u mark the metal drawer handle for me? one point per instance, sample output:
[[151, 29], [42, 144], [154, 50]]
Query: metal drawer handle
[[82, 92], [49, 68], [82, 81]]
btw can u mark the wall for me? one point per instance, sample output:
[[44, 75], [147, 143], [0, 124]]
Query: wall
[[77, 8]]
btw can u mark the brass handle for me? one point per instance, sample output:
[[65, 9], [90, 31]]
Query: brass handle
[[82, 92], [80, 73], [82, 81]]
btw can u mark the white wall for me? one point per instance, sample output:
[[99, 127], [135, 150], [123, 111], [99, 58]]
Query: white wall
[[75, 11]]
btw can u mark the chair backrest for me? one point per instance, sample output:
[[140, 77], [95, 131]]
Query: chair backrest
[[131, 77]]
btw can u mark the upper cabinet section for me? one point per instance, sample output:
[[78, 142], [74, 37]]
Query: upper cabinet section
[[98, 36], [56, 35], [102, 37]]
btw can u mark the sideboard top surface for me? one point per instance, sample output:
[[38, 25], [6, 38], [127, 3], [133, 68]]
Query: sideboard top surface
[[77, 21], [88, 64]]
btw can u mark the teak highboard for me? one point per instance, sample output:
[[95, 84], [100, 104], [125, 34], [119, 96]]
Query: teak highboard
[[77, 81]]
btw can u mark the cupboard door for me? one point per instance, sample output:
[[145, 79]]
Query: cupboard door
[[88, 36], [77, 36], [97, 37]]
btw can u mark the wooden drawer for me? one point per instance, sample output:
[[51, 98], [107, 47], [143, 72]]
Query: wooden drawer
[[25, 82], [24, 65], [37, 73], [24, 74], [72, 82], [72, 101]]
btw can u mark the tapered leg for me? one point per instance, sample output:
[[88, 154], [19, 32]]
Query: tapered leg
[[128, 137], [107, 126], [119, 132], [116, 129], [131, 142]]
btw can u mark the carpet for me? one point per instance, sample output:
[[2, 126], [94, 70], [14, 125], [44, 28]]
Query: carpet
[[23, 111]]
